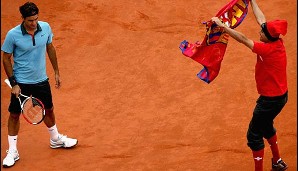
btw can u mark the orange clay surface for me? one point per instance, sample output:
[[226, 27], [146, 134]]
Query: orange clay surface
[[134, 101]]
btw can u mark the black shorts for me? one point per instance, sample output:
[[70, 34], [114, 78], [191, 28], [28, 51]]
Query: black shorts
[[41, 90], [261, 125]]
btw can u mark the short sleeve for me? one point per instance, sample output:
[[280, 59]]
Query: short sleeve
[[51, 35], [261, 48], [8, 44]]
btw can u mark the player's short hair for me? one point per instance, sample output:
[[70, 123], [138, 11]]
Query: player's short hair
[[28, 9]]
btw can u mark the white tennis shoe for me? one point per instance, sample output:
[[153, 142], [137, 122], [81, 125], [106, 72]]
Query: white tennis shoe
[[11, 158], [63, 141]]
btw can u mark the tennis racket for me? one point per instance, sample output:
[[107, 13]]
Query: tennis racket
[[32, 108]]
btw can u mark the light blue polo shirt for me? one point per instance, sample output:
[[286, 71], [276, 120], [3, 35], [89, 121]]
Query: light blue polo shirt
[[29, 52]]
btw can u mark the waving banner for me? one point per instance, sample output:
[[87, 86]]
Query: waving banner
[[211, 50]]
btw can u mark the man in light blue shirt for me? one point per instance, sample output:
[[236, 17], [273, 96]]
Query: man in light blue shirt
[[29, 52], [27, 45]]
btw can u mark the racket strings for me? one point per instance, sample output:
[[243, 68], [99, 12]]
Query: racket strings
[[36, 102], [33, 110]]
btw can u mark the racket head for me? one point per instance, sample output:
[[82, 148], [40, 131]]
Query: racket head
[[33, 110]]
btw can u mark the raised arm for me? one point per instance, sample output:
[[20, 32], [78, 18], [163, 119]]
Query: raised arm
[[260, 17], [240, 37]]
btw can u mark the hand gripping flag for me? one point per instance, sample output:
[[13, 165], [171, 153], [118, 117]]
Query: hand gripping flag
[[211, 50]]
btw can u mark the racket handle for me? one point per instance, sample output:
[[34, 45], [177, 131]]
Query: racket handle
[[7, 82]]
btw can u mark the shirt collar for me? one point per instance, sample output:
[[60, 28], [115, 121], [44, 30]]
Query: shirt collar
[[24, 31]]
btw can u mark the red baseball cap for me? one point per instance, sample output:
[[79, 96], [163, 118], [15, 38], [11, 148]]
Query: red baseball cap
[[277, 27]]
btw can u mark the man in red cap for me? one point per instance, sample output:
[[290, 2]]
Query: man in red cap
[[271, 81]]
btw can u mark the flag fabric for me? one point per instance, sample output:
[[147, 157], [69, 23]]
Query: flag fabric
[[211, 50]]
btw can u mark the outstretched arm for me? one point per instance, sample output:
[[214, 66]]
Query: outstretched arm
[[234, 34], [260, 17]]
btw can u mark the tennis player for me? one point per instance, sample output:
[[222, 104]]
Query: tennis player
[[271, 81], [27, 45]]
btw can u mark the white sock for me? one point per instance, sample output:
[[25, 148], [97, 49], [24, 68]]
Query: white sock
[[12, 142], [54, 133]]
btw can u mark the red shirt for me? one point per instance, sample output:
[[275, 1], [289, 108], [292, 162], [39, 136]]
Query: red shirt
[[270, 69]]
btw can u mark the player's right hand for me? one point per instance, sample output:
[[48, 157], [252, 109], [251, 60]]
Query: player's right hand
[[16, 90]]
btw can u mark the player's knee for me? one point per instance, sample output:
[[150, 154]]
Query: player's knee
[[49, 111], [14, 117], [270, 133], [254, 141]]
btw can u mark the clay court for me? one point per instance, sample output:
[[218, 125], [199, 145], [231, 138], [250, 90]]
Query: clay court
[[134, 101]]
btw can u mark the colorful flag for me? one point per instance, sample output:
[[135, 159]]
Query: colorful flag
[[211, 50]]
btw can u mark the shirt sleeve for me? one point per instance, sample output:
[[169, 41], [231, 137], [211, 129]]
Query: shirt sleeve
[[261, 48], [50, 38], [8, 44]]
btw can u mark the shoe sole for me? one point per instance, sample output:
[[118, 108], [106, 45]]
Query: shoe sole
[[61, 146], [15, 160], [281, 170]]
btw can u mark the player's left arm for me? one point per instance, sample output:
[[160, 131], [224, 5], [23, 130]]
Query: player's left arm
[[240, 37], [53, 58]]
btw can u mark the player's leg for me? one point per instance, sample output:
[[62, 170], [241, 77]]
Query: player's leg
[[13, 130], [43, 92], [255, 139], [256, 144], [275, 106]]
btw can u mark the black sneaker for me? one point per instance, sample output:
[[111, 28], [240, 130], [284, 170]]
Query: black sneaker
[[280, 166]]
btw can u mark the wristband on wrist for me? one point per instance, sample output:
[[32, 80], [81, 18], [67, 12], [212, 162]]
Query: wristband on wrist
[[12, 81]]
